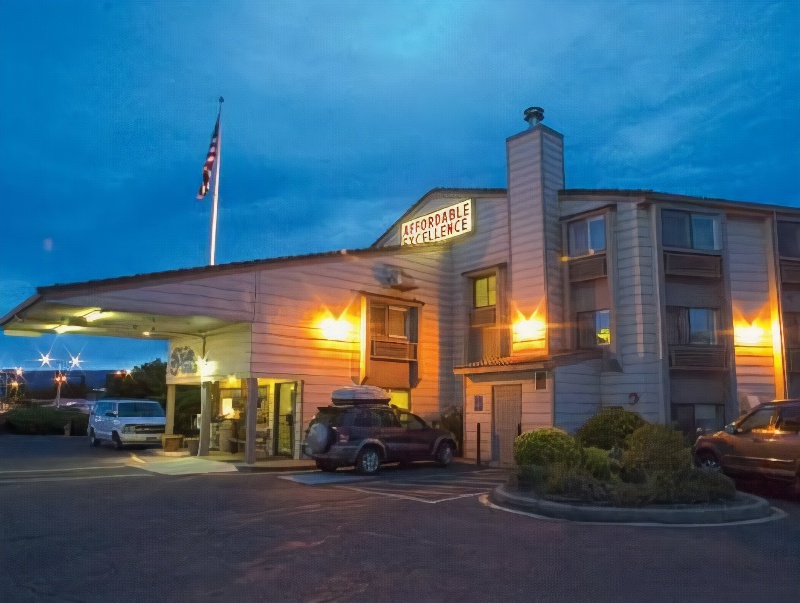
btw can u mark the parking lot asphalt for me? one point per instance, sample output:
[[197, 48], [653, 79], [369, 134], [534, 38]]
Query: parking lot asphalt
[[407, 534]]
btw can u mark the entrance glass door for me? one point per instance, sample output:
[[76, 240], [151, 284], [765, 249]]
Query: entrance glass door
[[285, 396]]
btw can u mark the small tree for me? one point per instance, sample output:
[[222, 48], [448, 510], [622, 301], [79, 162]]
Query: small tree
[[146, 381]]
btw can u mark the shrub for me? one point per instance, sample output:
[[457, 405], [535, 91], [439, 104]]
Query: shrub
[[690, 485], [608, 428], [575, 483], [45, 420], [595, 462], [656, 448], [531, 477], [546, 446]]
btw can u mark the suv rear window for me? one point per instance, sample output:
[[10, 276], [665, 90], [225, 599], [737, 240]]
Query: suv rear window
[[335, 417], [140, 409]]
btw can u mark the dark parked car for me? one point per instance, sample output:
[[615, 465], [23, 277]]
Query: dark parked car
[[765, 443], [361, 429]]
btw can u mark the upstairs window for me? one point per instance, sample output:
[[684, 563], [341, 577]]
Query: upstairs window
[[389, 321], [484, 291], [692, 326], [594, 329], [587, 236], [686, 230], [789, 239]]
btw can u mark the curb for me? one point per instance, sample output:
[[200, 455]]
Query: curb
[[747, 507], [244, 468]]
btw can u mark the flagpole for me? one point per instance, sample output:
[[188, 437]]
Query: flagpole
[[218, 163]]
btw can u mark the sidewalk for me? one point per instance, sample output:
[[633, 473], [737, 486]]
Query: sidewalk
[[236, 460]]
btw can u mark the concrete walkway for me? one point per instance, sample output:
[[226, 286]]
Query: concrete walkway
[[215, 462]]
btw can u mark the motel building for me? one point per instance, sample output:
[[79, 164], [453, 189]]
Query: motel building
[[526, 307]]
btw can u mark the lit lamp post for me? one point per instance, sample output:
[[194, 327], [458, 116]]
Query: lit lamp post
[[60, 379]]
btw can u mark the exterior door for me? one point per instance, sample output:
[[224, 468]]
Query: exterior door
[[285, 396], [506, 418]]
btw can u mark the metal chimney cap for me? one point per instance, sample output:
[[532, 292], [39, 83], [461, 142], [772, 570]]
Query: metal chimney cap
[[534, 115]]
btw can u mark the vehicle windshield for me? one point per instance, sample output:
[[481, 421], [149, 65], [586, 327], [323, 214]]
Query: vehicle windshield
[[140, 409]]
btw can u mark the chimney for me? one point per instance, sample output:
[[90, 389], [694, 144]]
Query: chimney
[[534, 116], [535, 164]]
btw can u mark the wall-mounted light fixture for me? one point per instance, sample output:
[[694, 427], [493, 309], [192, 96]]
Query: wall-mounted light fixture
[[529, 332]]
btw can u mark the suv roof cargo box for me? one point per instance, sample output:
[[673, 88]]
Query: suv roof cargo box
[[360, 394]]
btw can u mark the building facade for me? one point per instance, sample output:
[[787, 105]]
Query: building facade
[[524, 307]]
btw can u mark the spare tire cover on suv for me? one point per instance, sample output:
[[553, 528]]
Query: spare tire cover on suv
[[319, 438]]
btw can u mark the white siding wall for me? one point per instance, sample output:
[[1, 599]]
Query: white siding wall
[[227, 353], [750, 291], [577, 394], [636, 315]]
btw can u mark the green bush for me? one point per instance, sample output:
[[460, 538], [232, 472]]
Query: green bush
[[656, 448], [45, 420], [608, 428], [546, 446], [575, 483], [530, 477], [690, 486], [595, 462]]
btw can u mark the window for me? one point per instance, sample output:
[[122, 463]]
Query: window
[[789, 419], [400, 398], [689, 231], [594, 328], [587, 236], [692, 326], [484, 291], [540, 381], [789, 239], [691, 417], [760, 419], [389, 321]]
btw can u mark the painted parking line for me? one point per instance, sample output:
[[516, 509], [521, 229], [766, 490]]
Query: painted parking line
[[433, 489], [315, 478]]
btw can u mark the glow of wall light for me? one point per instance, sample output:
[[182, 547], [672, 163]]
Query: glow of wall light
[[529, 329], [748, 334], [206, 367], [335, 329]]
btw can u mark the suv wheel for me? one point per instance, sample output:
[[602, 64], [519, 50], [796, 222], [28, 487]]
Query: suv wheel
[[117, 441], [93, 440], [444, 454], [708, 460], [368, 460]]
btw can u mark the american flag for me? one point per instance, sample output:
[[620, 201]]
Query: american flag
[[209, 164]]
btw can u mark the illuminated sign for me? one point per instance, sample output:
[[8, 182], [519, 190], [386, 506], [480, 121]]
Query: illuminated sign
[[440, 225]]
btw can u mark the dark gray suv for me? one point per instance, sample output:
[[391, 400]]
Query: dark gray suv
[[361, 429], [764, 443]]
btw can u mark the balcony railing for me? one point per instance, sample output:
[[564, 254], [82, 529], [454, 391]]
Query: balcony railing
[[393, 350], [698, 357]]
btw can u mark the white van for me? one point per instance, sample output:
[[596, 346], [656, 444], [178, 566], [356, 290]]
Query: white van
[[126, 422]]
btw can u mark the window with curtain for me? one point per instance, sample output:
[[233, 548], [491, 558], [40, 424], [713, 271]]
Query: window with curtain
[[692, 326], [389, 321], [587, 236], [686, 230], [484, 291], [789, 239], [594, 328]]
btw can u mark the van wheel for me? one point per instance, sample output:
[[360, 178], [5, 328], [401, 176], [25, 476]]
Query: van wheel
[[117, 441], [368, 461], [93, 440]]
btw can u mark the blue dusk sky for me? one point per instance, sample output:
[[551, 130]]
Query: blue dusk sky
[[341, 115]]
